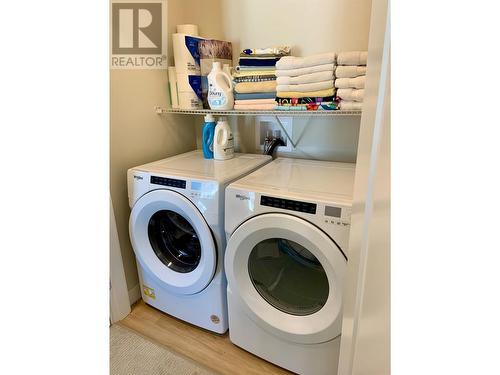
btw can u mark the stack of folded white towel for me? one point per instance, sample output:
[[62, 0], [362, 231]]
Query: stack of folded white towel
[[305, 83], [350, 79]]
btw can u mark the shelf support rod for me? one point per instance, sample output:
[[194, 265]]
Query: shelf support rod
[[294, 144], [284, 130]]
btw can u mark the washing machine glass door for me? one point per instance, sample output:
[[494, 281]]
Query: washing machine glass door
[[172, 240], [287, 276]]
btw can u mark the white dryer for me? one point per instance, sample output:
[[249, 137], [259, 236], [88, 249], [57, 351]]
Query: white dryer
[[177, 233], [287, 226]]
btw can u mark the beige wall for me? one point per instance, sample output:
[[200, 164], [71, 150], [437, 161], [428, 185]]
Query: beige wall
[[138, 135], [313, 27]]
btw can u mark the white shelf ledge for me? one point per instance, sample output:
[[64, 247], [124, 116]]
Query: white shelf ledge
[[322, 113]]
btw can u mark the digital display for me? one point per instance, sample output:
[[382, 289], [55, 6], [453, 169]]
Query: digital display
[[195, 185], [288, 204], [333, 211], [165, 181]]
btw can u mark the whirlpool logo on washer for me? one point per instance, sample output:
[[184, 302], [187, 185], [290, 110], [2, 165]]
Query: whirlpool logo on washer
[[242, 197]]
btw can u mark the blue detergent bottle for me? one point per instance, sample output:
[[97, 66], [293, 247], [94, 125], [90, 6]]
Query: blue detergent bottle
[[207, 138]]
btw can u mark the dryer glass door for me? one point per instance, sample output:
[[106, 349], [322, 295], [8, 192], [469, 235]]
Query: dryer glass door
[[287, 275], [172, 241]]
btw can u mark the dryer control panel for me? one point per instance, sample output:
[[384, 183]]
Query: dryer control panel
[[288, 204]]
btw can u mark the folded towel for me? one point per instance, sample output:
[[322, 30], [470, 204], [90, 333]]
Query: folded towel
[[242, 68], [248, 87], [292, 62], [305, 100], [297, 94], [264, 61], [315, 86], [355, 83], [255, 101], [352, 58], [303, 71], [306, 78], [353, 106], [350, 71], [249, 107], [351, 94], [253, 73], [255, 95], [278, 50]]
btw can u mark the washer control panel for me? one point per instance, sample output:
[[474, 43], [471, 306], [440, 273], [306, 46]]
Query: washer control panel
[[165, 181], [288, 204]]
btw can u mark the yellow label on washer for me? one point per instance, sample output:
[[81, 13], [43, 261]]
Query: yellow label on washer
[[150, 292]]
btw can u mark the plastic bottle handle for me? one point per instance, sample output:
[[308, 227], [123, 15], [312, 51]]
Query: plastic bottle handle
[[228, 80], [207, 136], [221, 139]]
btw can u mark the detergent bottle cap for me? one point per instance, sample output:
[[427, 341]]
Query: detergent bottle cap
[[209, 118]]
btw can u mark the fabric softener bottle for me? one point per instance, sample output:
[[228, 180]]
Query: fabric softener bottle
[[220, 89]]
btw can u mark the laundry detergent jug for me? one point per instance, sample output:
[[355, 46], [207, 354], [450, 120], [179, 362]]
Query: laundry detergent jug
[[220, 89], [207, 137], [223, 141]]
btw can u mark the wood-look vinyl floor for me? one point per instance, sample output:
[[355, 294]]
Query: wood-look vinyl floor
[[208, 349]]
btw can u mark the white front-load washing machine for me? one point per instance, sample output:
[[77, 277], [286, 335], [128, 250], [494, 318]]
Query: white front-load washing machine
[[177, 233], [287, 226]]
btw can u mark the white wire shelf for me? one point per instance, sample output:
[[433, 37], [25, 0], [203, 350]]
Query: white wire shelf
[[324, 113]]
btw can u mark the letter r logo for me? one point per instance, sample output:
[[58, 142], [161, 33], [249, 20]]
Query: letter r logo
[[137, 28]]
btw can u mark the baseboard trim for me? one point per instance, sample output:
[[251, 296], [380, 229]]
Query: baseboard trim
[[134, 294]]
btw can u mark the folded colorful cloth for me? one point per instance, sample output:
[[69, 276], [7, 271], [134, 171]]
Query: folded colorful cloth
[[350, 71], [303, 71], [306, 78], [351, 94], [240, 68], [243, 107], [352, 58], [249, 87], [352, 106], [305, 87], [255, 101], [307, 104], [308, 107], [250, 73], [305, 100], [265, 61], [296, 94], [255, 95], [254, 78], [292, 62], [260, 57], [278, 50], [355, 83]]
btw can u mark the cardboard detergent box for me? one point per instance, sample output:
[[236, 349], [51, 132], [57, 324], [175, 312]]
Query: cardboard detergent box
[[211, 51]]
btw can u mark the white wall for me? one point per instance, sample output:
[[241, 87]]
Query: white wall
[[365, 344]]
